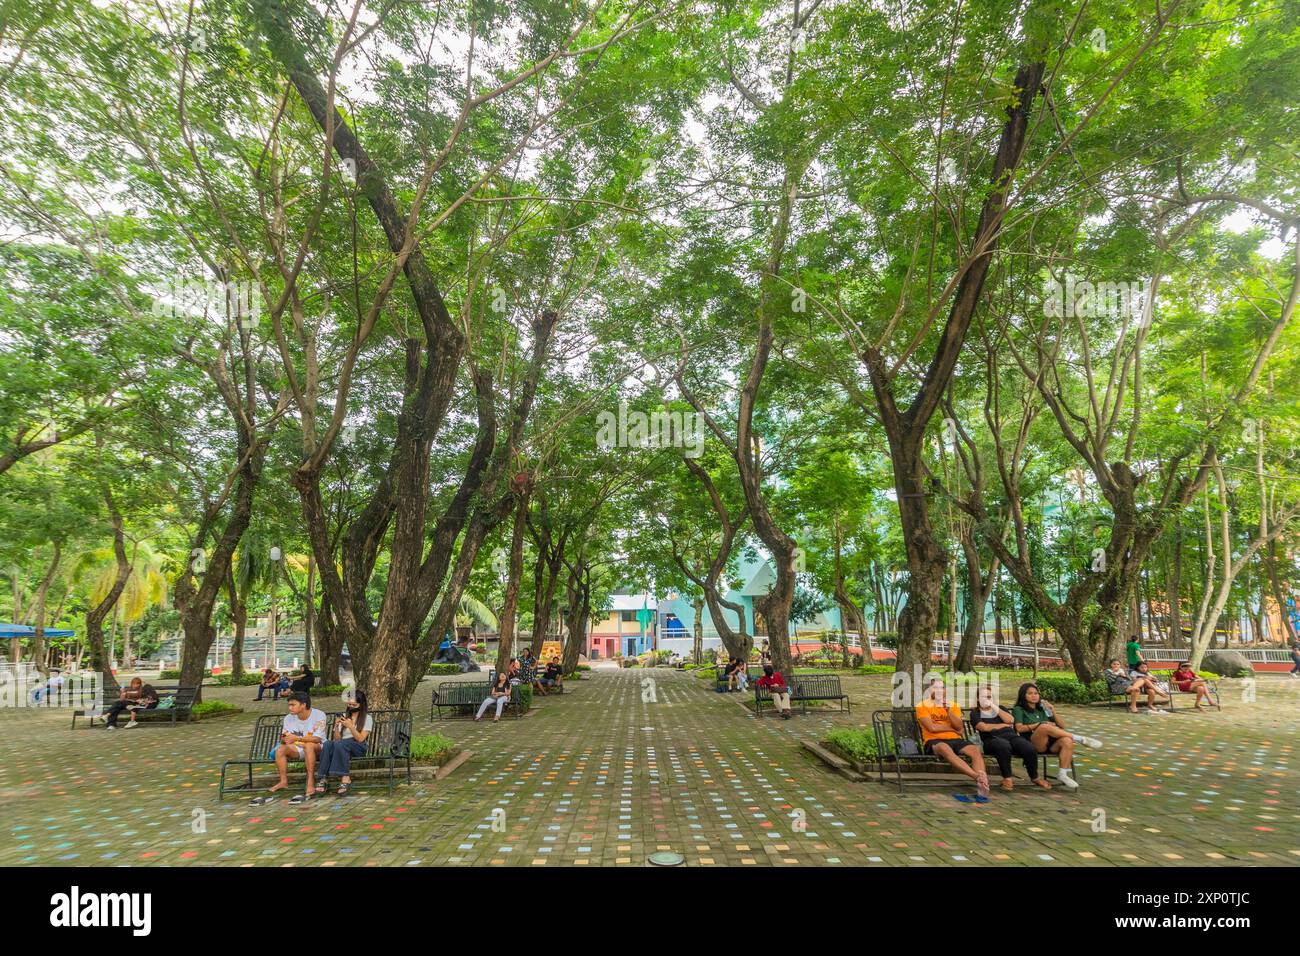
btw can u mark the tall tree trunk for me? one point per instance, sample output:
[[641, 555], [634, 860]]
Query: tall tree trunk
[[99, 656], [906, 429], [239, 620], [514, 579], [38, 639], [697, 650], [980, 587]]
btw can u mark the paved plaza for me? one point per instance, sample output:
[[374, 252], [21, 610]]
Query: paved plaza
[[603, 776]]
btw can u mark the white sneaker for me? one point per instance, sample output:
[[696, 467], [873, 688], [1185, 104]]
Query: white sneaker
[[1067, 781], [1157, 710], [110, 726], [1092, 742], [130, 725]]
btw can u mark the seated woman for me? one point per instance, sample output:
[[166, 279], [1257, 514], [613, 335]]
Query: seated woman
[[1118, 681], [742, 673], [942, 735], [1187, 681], [303, 683], [499, 694], [347, 742], [1142, 674], [273, 682], [1038, 722], [997, 730], [730, 672]]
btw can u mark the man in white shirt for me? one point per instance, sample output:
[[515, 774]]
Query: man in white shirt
[[301, 739]]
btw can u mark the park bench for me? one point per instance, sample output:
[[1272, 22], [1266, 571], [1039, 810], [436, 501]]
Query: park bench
[[898, 737], [806, 687], [465, 696], [181, 708], [388, 744]]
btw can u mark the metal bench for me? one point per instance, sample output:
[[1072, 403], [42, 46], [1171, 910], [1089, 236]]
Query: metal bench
[[465, 696], [1163, 686], [181, 708], [898, 736], [806, 687], [388, 743]]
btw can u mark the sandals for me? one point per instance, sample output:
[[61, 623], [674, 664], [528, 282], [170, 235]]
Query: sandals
[[343, 789], [299, 798], [261, 801]]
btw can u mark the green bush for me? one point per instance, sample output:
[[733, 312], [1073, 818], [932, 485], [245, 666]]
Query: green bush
[[327, 690], [584, 667], [1069, 690], [212, 707], [444, 668], [525, 692], [887, 640], [247, 679], [855, 744], [169, 675], [431, 748]]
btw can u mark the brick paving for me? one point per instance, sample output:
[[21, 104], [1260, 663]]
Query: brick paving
[[617, 769]]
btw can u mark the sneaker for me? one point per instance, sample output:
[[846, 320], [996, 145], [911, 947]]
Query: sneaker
[[1157, 710], [1092, 742], [1067, 781], [130, 725], [110, 726]]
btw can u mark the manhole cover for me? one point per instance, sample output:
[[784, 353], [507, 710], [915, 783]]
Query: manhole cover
[[666, 858]]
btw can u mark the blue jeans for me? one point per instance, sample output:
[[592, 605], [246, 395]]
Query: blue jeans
[[336, 756], [276, 688]]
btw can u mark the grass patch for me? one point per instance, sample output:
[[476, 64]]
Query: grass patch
[[432, 749], [209, 708], [852, 744]]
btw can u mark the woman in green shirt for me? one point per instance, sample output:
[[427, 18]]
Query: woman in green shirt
[[1038, 723]]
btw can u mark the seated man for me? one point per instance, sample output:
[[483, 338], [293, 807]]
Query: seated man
[[273, 682], [1119, 682], [136, 695], [301, 739], [549, 677], [1189, 682], [942, 735], [777, 689]]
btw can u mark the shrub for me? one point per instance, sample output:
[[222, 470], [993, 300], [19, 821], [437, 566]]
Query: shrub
[[247, 679], [327, 690], [855, 743], [525, 692], [432, 748], [169, 675], [584, 667], [1069, 690], [887, 640], [444, 668], [212, 707]]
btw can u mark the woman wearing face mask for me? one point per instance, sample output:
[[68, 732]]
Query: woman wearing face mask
[[346, 742], [997, 730]]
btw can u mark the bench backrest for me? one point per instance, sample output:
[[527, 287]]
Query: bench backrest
[[462, 692], [390, 735], [809, 685]]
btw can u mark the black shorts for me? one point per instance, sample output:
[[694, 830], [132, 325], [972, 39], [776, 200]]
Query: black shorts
[[956, 743]]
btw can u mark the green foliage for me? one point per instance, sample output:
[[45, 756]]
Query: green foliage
[[432, 749], [444, 669], [1069, 690], [212, 707], [327, 690], [247, 679], [853, 743], [887, 640], [874, 669], [525, 696]]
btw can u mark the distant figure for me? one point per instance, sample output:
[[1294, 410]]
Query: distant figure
[[549, 677], [776, 688], [135, 696], [1135, 656], [273, 682], [1189, 682], [1119, 682], [304, 682], [499, 694]]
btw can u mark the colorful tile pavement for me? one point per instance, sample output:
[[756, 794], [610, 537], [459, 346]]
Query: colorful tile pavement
[[610, 773]]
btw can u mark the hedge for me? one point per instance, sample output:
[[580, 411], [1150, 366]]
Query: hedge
[[444, 668], [431, 748], [212, 707], [855, 744]]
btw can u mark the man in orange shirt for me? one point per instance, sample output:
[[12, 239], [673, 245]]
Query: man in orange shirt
[[942, 735]]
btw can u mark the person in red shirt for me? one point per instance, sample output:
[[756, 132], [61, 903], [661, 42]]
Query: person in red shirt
[[775, 685], [1185, 679]]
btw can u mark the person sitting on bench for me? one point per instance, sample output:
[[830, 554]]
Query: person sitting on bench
[[742, 673], [1142, 673], [1039, 723], [729, 672], [273, 682], [135, 696], [499, 694], [776, 688], [997, 729], [301, 739], [304, 682], [1118, 682], [1187, 681], [549, 677], [347, 741], [942, 735]]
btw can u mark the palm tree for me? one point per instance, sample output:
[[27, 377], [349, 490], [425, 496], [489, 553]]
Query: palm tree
[[251, 567], [146, 587]]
